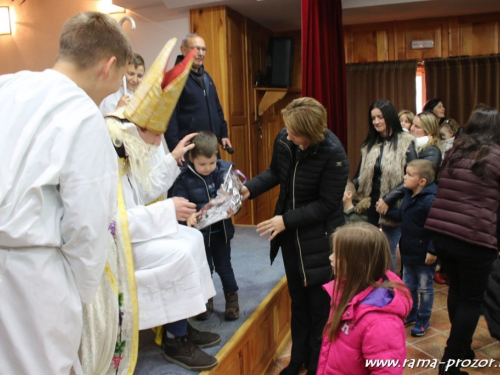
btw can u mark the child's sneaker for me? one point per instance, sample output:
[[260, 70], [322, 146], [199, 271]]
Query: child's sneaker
[[411, 319], [421, 326]]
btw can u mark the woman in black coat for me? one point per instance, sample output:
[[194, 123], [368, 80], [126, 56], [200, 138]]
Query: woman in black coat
[[310, 165]]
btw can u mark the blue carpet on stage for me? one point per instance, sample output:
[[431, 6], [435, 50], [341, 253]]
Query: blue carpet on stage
[[256, 278]]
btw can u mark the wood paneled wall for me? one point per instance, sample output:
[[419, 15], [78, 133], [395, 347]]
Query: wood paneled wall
[[452, 36], [237, 49]]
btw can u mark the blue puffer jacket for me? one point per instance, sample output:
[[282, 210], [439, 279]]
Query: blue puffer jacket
[[415, 240], [192, 186], [196, 110]]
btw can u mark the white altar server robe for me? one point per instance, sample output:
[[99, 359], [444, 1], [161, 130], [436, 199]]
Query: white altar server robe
[[58, 181], [110, 102]]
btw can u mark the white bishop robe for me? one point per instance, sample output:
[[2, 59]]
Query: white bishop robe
[[172, 274]]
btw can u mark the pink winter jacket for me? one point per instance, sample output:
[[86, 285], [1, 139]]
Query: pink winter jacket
[[371, 328]]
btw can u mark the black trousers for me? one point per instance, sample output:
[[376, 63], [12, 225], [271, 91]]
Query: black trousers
[[310, 307], [468, 267]]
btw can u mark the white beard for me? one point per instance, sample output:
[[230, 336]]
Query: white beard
[[139, 153]]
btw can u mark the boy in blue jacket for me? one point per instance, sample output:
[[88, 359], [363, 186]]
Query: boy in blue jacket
[[198, 182], [417, 251]]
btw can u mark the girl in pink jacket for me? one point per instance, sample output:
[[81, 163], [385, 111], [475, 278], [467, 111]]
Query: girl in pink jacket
[[365, 333]]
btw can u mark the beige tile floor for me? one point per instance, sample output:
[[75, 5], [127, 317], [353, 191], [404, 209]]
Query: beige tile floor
[[432, 344]]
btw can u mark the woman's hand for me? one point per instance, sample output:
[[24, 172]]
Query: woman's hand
[[273, 226], [381, 207], [245, 193], [182, 147]]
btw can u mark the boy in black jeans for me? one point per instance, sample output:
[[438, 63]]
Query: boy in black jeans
[[198, 182]]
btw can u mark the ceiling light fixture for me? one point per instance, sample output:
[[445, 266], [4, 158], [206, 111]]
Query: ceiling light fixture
[[5, 22], [106, 6]]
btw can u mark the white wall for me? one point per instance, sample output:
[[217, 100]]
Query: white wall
[[155, 25], [35, 40]]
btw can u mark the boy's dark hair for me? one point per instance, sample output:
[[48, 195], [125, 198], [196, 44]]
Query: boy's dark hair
[[205, 144], [425, 169]]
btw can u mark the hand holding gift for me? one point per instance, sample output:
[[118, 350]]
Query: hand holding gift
[[227, 202]]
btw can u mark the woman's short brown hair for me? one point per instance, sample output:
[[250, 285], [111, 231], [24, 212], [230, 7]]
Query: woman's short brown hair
[[306, 117]]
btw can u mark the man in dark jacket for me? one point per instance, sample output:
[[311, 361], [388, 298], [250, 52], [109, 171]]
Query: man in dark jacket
[[311, 167], [198, 107]]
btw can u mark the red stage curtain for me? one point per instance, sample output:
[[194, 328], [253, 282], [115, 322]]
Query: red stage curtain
[[323, 62]]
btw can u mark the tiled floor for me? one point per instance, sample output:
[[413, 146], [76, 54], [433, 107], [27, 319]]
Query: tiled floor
[[432, 344]]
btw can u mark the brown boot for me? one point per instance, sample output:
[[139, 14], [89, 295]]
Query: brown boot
[[232, 306], [206, 315]]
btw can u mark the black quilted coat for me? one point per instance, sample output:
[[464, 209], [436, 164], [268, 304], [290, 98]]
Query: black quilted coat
[[315, 184]]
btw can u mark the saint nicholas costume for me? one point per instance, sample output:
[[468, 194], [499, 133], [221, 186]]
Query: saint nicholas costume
[[160, 268]]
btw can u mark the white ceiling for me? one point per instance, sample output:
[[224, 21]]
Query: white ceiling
[[284, 15]]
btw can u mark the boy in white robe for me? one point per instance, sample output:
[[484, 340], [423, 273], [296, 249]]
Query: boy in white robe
[[171, 271], [58, 178], [131, 80]]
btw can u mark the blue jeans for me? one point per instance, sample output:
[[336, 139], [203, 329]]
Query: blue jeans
[[219, 258], [178, 329], [393, 235], [418, 279]]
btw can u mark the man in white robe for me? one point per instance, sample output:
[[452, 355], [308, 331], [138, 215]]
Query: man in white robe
[[171, 271], [58, 177]]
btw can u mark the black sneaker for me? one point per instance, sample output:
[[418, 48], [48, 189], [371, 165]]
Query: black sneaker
[[202, 338], [186, 354]]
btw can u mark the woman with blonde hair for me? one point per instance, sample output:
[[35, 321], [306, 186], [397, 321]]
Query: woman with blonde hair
[[369, 303], [425, 129]]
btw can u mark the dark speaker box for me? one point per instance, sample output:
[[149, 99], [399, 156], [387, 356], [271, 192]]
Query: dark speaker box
[[280, 61]]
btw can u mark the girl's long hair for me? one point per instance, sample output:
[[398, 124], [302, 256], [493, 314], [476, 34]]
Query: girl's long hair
[[392, 123], [482, 133], [362, 257]]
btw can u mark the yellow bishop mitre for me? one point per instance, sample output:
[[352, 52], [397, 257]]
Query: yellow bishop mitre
[[156, 96]]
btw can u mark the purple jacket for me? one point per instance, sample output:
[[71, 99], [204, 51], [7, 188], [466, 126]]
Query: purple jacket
[[466, 206], [371, 328]]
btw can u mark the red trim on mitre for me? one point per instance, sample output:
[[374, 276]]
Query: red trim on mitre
[[177, 70]]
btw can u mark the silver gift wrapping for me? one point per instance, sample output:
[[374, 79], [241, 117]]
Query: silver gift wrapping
[[227, 202]]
